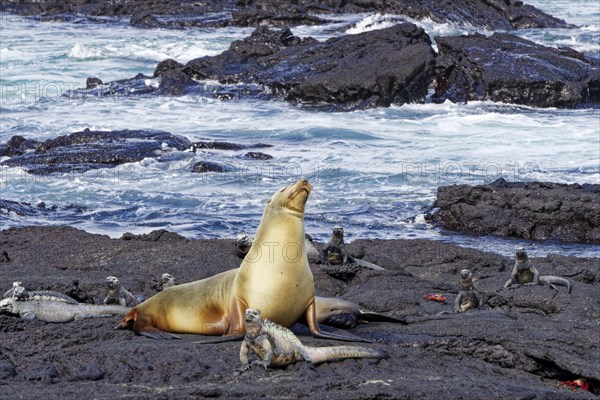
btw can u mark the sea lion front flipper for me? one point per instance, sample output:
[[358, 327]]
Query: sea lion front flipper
[[155, 333], [236, 318], [222, 339], [311, 321]]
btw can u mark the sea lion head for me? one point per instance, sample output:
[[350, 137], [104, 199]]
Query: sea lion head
[[292, 197], [112, 282]]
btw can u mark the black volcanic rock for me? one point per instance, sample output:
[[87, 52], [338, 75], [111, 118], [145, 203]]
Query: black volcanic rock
[[16, 146], [85, 150], [510, 69], [536, 210], [174, 82], [521, 347], [490, 14], [207, 166], [370, 69]]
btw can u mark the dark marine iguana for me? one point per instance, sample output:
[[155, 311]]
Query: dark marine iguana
[[57, 311], [524, 273], [277, 346], [335, 253]]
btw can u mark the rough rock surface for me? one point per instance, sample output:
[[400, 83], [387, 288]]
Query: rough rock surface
[[510, 69], [395, 65], [85, 150], [491, 14], [370, 69], [531, 339], [535, 210]]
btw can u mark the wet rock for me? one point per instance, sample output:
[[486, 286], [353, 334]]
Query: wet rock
[[207, 166], [144, 19], [228, 146], [490, 14], [85, 150], [256, 155], [159, 235], [92, 83], [16, 146], [176, 14], [167, 65], [174, 82], [536, 210], [506, 68], [290, 17], [370, 69]]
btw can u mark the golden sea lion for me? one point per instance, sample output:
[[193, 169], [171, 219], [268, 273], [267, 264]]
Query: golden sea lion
[[274, 277]]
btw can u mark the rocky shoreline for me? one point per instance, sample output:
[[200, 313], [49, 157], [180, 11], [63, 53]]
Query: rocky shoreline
[[523, 345], [528, 210], [395, 65]]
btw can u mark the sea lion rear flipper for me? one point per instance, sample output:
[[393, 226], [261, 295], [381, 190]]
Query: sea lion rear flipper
[[155, 333], [311, 321], [344, 320], [376, 317]]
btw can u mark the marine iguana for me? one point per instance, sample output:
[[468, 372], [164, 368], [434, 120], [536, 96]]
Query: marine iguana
[[20, 293], [524, 273], [335, 252], [277, 346], [467, 298], [57, 311], [167, 280], [117, 294]]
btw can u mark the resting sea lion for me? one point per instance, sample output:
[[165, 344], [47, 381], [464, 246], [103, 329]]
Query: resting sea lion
[[273, 277]]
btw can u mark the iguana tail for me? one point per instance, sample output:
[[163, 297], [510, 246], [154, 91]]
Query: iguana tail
[[323, 354], [555, 280]]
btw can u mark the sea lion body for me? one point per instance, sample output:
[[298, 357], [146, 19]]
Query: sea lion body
[[274, 277], [200, 307]]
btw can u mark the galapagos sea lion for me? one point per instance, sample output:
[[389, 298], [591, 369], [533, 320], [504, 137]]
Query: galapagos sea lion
[[274, 277]]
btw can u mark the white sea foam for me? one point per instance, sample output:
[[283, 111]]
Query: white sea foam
[[374, 170]]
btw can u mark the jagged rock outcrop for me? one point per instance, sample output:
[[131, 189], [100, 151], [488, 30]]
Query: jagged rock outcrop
[[510, 69], [535, 210]]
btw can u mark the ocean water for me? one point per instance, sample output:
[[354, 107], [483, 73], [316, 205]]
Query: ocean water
[[374, 172]]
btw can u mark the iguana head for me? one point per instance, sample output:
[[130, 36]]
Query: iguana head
[[112, 282], [7, 306]]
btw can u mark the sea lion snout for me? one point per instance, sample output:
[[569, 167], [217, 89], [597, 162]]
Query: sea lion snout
[[298, 195]]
